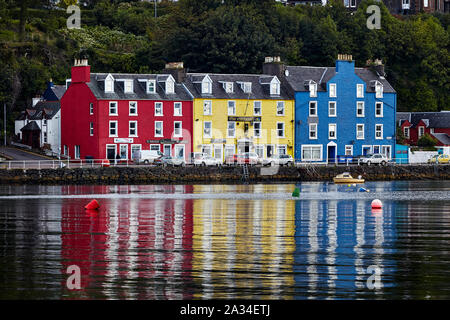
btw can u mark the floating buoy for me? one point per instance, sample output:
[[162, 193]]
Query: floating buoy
[[376, 204], [296, 192], [105, 163], [363, 189], [377, 211], [93, 205]]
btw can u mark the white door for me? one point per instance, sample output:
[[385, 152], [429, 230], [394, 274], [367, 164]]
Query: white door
[[218, 154], [124, 151], [167, 149]]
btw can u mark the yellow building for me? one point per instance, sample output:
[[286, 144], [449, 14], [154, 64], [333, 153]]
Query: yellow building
[[234, 114]]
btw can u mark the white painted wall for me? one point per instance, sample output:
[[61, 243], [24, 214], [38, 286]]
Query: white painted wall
[[420, 156]]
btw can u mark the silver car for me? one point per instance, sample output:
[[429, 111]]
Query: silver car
[[373, 159], [172, 161], [279, 159]]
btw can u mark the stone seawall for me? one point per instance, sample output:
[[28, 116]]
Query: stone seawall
[[202, 175]]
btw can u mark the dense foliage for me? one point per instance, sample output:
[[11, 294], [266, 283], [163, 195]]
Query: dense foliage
[[211, 36]]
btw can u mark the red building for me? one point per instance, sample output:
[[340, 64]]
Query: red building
[[105, 115], [416, 124]]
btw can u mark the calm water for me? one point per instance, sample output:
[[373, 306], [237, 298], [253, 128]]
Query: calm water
[[231, 241]]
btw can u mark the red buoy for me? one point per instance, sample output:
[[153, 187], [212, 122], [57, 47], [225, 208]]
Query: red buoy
[[376, 204], [105, 163], [93, 205]]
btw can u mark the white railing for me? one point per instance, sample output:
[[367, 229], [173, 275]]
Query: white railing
[[98, 163]]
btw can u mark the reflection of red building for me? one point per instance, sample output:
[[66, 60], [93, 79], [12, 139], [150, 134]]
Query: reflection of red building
[[105, 115], [132, 248]]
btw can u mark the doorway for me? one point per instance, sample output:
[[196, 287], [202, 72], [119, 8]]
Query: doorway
[[111, 152], [269, 150], [331, 149]]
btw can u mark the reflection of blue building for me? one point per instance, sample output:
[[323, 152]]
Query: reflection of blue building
[[336, 241], [342, 111]]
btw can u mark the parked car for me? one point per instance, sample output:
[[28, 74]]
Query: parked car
[[207, 161], [281, 160], [376, 158], [248, 158], [439, 158], [149, 156], [231, 159], [171, 161]]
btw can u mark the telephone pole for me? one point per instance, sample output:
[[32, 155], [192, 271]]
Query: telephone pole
[[4, 122]]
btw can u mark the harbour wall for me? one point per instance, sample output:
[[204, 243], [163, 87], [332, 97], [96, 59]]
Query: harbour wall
[[205, 175]]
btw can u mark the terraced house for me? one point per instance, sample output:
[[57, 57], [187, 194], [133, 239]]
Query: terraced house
[[108, 115], [342, 111], [237, 113]]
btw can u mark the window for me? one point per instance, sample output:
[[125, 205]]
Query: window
[[313, 130], [378, 131], [280, 129], [332, 131], [378, 90], [113, 108], [91, 128], [311, 153], [281, 149], [332, 109], [135, 151], [360, 90], [44, 122], [151, 86], [113, 128], [158, 128], [177, 109], [348, 150], [257, 129], [228, 86], [207, 107], [360, 131], [376, 149], [280, 108], [133, 108], [425, 3], [360, 109], [109, 85], [378, 109], [77, 152], [170, 86], [155, 147], [313, 109], [65, 151], [259, 150], [333, 90], [45, 137], [246, 87], [207, 149], [206, 86], [257, 108], [406, 132], [421, 131], [91, 108], [229, 150], [274, 88], [158, 109], [207, 129], [128, 86], [353, 3], [231, 129], [231, 108], [177, 129], [133, 128], [312, 89]]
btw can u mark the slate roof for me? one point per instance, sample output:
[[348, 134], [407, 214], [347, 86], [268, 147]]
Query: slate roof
[[139, 88], [298, 75], [443, 138], [259, 90], [42, 110], [59, 90], [431, 119], [31, 126]]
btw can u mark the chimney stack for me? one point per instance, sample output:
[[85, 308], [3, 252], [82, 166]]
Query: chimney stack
[[177, 70], [274, 67], [81, 71]]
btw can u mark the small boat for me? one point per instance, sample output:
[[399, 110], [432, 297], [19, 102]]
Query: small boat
[[347, 178]]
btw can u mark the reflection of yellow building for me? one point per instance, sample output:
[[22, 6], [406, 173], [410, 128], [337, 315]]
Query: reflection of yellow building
[[241, 113], [245, 245]]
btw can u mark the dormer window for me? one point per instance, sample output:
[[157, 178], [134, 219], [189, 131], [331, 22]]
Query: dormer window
[[206, 85], [378, 90], [128, 86], [228, 87], [246, 87], [275, 86], [151, 86], [109, 83], [312, 89], [170, 86]]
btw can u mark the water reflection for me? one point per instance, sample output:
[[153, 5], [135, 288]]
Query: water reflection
[[137, 248]]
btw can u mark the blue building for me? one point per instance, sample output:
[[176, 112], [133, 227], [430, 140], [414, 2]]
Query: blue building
[[342, 111]]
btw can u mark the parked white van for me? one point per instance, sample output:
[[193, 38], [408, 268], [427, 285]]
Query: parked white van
[[149, 156]]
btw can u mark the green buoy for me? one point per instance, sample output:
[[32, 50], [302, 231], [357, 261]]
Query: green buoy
[[296, 193]]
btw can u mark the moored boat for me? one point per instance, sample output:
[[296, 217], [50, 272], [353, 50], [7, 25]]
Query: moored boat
[[347, 178]]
